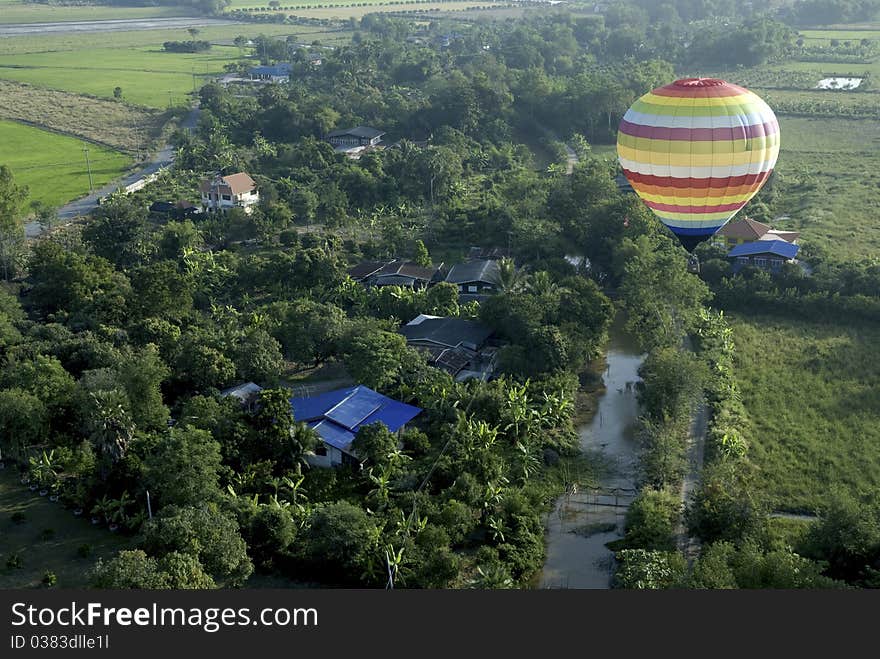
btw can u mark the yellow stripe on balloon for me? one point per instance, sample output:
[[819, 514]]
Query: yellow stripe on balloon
[[697, 159]]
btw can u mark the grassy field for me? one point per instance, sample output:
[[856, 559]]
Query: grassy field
[[54, 166], [813, 393], [58, 553], [830, 176], [155, 38], [114, 124], [148, 75], [16, 11]]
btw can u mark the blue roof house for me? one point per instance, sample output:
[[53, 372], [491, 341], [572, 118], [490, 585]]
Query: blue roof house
[[337, 415], [272, 73], [765, 254]]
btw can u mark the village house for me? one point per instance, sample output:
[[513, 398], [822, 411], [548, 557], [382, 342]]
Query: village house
[[475, 279], [178, 210], [768, 255], [338, 415], [354, 140], [744, 230], [396, 272], [225, 192], [271, 73], [458, 346], [246, 393]]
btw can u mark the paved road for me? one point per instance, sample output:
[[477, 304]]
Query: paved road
[[114, 25], [85, 205]]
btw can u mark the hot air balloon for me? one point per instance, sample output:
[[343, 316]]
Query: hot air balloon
[[696, 151]]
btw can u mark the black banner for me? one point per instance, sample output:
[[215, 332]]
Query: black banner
[[339, 623]]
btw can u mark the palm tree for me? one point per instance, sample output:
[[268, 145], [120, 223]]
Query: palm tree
[[542, 284], [509, 278]]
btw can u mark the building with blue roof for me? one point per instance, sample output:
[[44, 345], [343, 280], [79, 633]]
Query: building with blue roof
[[272, 73], [765, 254], [337, 416]]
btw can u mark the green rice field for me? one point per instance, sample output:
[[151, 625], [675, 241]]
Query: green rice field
[[54, 166]]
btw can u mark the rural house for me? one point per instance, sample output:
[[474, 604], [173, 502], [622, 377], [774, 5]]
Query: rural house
[[337, 416], [475, 279], [271, 73], [744, 230], [396, 273], [225, 192], [765, 254], [458, 346], [350, 139], [247, 393]]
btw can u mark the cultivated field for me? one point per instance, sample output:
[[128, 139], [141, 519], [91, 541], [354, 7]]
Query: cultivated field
[[118, 125], [813, 393], [16, 11], [138, 38], [54, 166], [49, 539]]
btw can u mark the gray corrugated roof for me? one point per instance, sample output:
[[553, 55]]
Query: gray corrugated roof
[[359, 131], [449, 332], [486, 271]]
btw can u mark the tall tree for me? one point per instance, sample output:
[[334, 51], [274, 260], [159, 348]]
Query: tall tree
[[12, 197]]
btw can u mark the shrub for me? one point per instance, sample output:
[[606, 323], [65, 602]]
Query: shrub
[[49, 578], [13, 561]]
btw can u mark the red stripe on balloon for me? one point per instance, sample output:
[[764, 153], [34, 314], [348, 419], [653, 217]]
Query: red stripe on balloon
[[698, 134], [682, 182]]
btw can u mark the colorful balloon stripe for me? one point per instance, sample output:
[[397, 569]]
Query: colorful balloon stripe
[[697, 150], [739, 132]]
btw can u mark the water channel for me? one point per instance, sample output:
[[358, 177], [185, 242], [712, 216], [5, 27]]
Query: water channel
[[583, 521]]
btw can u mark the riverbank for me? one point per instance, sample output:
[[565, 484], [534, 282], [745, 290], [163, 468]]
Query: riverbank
[[591, 514]]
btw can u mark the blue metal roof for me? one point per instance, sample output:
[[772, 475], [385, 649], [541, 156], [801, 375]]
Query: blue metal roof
[[273, 70], [334, 435], [776, 247], [337, 415]]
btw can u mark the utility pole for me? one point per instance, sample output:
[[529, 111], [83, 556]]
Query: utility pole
[[89, 168], [170, 99]]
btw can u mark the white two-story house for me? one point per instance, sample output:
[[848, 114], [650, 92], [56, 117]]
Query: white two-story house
[[225, 192]]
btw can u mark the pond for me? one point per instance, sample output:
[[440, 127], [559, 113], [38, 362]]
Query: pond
[[583, 521], [839, 83]]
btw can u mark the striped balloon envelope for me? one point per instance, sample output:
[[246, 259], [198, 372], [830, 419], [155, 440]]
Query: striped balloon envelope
[[696, 151]]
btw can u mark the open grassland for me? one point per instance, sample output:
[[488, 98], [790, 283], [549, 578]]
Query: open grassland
[[114, 124], [813, 393], [824, 37], [16, 11], [830, 180], [49, 539], [54, 166], [147, 75]]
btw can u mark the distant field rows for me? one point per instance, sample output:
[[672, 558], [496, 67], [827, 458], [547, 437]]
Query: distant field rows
[[21, 12], [54, 166], [147, 75], [155, 38]]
